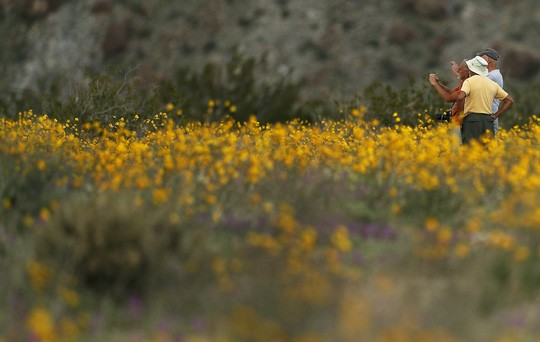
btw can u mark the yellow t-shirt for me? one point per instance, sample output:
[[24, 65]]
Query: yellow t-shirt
[[480, 92]]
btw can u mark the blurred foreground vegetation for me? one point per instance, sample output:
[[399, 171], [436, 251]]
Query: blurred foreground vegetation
[[225, 231], [216, 208]]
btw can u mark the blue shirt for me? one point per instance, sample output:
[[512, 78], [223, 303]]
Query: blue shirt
[[495, 76]]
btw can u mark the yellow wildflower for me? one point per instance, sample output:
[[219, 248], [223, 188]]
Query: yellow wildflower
[[462, 250], [308, 239], [521, 253], [41, 325], [69, 296], [160, 195], [444, 235], [44, 214], [39, 275], [69, 330], [431, 224], [340, 239], [41, 165]]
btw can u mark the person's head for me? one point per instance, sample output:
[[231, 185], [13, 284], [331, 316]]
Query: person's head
[[477, 66], [463, 70], [491, 56]]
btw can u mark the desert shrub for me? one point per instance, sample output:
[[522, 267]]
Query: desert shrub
[[525, 105], [11, 103], [28, 189], [103, 97], [384, 99], [233, 89], [111, 244], [381, 102]]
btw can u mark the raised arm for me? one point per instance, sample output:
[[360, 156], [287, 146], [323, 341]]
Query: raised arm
[[446, 93]]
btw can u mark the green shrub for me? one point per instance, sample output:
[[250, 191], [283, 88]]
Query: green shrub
[[112, 244], [28, 190], [233, 89], [104, 97], [525, 105], [383, 100]]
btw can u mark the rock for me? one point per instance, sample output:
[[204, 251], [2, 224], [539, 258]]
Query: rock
[[402, 33], [520, 63], [33, 9], [116, 37], [438, 42], [102, 7], [57, 49], [432, 9]]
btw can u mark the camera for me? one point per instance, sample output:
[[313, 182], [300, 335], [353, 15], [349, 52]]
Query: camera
[[444, 116]]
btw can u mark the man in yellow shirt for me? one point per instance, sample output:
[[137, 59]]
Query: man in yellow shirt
[[475, 99]]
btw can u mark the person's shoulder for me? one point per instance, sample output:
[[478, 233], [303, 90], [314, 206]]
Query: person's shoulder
[[480, 78], [496, 76], [492, 83], [476, 78], [489, 80], [466, 85]]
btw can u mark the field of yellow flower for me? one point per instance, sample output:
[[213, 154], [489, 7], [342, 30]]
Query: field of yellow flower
[[227, 231]]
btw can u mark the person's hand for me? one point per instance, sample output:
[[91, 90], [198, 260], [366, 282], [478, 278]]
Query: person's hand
[[433, 79]]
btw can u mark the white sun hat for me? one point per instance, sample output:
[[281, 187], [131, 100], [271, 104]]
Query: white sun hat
[[478, 65]]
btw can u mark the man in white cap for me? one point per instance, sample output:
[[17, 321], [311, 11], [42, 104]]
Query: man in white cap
[[492, 57], [475, 100]]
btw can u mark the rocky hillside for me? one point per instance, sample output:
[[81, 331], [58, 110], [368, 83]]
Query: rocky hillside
[[337, 47]]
